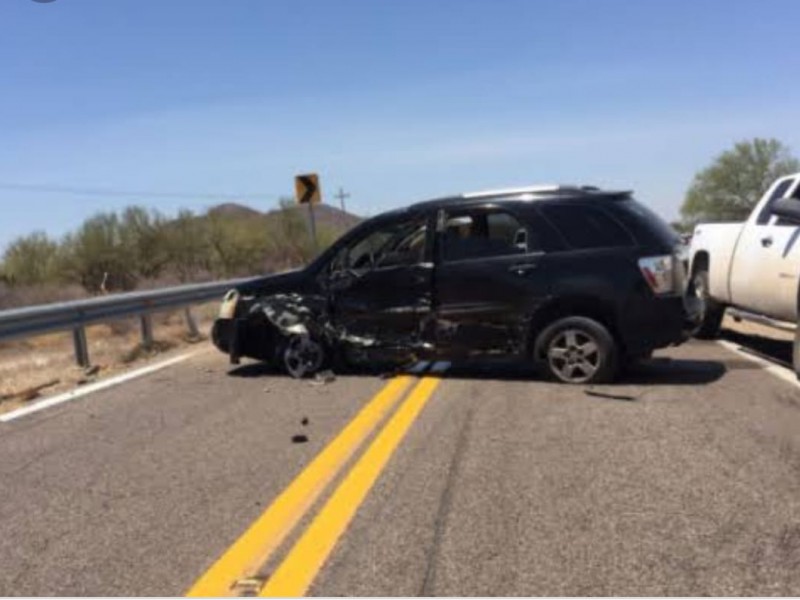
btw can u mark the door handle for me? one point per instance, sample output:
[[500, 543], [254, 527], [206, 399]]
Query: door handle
[[523, 268], [766, 241]]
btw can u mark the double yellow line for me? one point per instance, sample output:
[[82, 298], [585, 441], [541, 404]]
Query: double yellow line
[[300, 566]]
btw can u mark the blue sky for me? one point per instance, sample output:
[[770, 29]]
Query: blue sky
[[395, 101]]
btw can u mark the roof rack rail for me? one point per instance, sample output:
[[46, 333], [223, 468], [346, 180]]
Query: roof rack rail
[[533, 189]]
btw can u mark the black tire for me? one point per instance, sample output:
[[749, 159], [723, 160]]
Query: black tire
[[578, 350], [796, 353], [711, 312], [301, 356]]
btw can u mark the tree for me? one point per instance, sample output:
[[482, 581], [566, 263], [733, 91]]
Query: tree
[[30, 260], [731, 186], [187, 245], [143, 239], [96, 257]]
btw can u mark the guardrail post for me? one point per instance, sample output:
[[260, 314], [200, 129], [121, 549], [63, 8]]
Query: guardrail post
[[147, 332], [81, 347], [194, 332]]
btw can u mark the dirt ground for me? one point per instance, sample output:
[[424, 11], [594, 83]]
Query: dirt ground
[[49, 360]]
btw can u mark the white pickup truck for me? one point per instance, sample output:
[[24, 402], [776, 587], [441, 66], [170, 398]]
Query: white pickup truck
[[753, 266]]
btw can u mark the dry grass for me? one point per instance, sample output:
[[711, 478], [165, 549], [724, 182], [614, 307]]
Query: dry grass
[[113, 347]]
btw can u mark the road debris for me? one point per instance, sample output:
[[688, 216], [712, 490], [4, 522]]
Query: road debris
[[30, 393], [299, 438], [248, 586], [323, 378], [304, 421], [610, 396]]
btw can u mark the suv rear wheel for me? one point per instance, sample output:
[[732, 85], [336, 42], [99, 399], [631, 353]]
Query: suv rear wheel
[[578, 350]]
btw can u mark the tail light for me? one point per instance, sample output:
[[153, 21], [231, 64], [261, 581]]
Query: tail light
[[664, 274]]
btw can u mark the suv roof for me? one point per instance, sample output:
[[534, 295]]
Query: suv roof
[[529, 193]]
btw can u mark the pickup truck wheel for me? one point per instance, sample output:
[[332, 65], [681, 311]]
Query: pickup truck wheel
[[711, 312], [578, 350], [796, 353]]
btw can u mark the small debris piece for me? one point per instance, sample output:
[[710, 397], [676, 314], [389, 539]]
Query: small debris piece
[[323, 377], [299, 439], [32, 392], [91, 370], [304, 421], [248, 586], [610, 396]]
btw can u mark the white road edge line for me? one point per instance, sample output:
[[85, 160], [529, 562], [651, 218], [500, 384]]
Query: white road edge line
[[94, 387], [780, 372]]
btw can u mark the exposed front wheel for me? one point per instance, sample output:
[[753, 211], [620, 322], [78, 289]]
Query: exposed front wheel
[[578, 350], [302, 356], [711, 312]]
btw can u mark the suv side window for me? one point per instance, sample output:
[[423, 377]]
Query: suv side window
[[584, 227], [777, 194], [401, 243], [481, 233]]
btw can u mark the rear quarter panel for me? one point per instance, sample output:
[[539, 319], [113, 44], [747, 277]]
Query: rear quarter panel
[[717, 241]]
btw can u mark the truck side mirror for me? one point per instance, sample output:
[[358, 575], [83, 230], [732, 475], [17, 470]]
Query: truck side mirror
[[787, 208]]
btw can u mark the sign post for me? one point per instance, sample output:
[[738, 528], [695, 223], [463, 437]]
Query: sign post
[[307, 191]]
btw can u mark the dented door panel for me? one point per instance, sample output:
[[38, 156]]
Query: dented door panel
[[485, 305], [386, 305]]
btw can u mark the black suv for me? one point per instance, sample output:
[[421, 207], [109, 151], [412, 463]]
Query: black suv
[[577, 279]]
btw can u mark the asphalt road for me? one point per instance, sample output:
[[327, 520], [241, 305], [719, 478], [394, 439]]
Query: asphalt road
[[682, 480]]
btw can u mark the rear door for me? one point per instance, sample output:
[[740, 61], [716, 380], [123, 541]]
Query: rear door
[[489, 274]]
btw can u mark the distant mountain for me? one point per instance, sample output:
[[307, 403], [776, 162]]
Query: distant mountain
[[324, 214], [232, 209]]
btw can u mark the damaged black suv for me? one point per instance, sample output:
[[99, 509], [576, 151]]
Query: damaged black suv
[[576, 279]]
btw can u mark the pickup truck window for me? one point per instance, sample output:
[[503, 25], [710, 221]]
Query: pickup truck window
[[585, 227], [778, 193]]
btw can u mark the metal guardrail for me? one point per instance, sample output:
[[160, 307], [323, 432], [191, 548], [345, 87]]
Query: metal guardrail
[[75, 316]]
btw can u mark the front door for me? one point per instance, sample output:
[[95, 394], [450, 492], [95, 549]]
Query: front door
[[490, 275], [759, 254], [782, 265], [380, 286]]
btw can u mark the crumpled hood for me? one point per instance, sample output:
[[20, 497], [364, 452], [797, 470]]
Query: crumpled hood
[[285, 282]]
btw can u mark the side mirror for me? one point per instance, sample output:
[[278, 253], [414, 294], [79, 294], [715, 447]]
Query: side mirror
[[787, 208]]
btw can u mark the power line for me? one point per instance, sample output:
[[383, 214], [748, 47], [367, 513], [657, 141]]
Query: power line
[[99, 191]]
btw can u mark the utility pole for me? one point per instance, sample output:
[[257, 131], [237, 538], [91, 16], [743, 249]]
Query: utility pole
[[341, 195]]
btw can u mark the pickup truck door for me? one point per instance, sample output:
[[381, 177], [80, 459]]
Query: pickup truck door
[[782, 266], [761, 254]]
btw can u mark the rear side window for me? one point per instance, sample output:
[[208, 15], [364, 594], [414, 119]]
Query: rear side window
[[585, 227], [777, 194], [481, 234], [648, 227]]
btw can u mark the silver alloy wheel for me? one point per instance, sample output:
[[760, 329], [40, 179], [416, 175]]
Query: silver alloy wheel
[[573, 355], [302, 356]]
